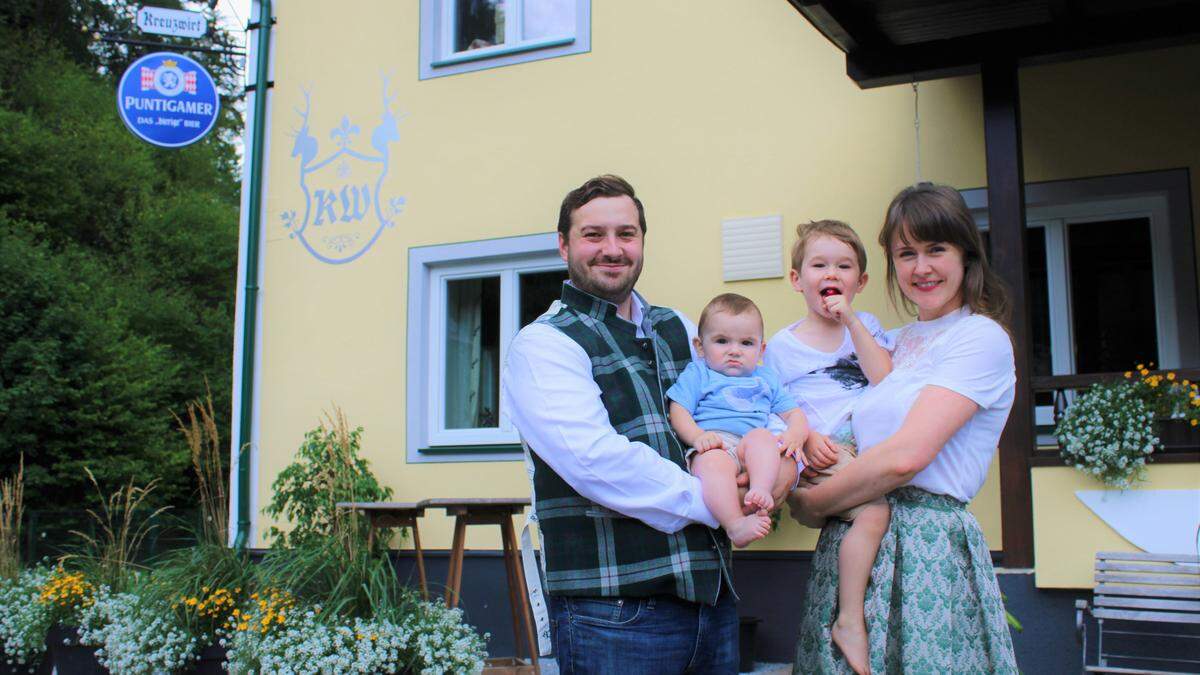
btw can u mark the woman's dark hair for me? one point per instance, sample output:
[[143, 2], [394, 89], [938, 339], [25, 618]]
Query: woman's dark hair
[[928, 212]]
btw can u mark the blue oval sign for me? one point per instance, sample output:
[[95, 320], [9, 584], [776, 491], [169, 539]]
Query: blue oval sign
[[168, 99]]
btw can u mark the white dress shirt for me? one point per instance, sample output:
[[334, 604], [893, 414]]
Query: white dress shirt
[[550, 397]]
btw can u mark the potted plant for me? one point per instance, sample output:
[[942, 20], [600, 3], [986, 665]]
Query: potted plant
[[1111, 430]]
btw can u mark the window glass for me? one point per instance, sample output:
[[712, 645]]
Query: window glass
[[538, 290], [1112, 295], [478, 24], [472, 352], [548, 18]]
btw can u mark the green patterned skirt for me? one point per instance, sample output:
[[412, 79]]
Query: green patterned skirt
[[933, 603]]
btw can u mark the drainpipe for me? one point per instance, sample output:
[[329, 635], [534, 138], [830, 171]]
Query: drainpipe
[[250, 292]]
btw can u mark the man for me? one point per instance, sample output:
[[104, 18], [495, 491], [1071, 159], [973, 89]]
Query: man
[[638, 579]]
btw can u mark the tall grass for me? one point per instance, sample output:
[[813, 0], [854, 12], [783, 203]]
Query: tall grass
[[204, 444], [110, 555], [12, 508]]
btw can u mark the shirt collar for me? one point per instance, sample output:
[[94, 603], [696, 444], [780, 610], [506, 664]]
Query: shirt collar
[[603, 309]]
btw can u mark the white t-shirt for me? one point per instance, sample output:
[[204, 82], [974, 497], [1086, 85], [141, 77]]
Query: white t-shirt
[[824, 384], [966, 353]]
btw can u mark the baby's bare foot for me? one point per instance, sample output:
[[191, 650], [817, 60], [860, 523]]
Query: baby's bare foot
[[749, 528], [852, 640], [760, 499]]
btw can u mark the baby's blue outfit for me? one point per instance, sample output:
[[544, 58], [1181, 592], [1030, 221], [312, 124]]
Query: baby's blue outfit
[[736, 405]]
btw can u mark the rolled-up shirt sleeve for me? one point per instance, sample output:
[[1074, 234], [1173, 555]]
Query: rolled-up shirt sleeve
[[552, 400]]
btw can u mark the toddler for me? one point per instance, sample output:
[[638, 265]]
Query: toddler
[[724, 404], [826, 361]]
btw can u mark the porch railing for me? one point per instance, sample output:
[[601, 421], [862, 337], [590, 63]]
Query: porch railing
[[1045, 448]]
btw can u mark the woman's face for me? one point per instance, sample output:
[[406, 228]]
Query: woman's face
[[930, 274]]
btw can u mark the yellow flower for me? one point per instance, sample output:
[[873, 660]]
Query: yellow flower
[[1195, 422], [1171, 376], [1128, 374]]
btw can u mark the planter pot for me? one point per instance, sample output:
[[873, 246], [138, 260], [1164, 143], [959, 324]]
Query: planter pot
[[41, 667], [1178, 435], [68, 656], [211, 661], [747, 632]]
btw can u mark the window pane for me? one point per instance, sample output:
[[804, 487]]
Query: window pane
[[549, 18], [1112, 295], [538, 290], [472, 352], [478, 24]]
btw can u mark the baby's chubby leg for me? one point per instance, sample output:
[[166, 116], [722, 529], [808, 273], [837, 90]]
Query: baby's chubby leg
[[760, 455], [717, 472]]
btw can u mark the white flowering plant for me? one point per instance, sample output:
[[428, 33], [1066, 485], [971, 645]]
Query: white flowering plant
[[136, 635], [1108, 433], [24, 618], [430, 639]]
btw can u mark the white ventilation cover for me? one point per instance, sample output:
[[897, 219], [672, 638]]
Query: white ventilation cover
[[752, 248]]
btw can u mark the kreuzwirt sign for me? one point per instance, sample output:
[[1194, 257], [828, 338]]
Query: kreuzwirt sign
[[168, 99], [176, 22]]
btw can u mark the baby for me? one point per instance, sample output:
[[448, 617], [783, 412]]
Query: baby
[[724, 404], [826, 362]]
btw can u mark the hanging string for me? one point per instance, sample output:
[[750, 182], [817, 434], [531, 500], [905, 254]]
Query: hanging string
[[917, 126]]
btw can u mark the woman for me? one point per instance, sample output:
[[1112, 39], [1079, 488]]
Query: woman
[[926, 435]]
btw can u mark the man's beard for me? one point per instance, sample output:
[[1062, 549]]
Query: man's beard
[[606, 288]]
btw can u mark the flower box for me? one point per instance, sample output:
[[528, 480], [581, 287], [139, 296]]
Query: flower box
[[211, 661], [1178, 435], [68, 655]]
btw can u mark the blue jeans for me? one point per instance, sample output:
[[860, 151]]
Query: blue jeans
[[659, 635]]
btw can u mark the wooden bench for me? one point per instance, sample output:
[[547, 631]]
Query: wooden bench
[[1152, 597]]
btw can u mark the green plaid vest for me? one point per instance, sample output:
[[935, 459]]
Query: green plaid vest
[[591, 550]]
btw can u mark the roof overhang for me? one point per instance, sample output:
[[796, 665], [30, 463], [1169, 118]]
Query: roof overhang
[[899, 41]]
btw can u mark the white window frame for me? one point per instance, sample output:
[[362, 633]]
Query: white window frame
[[437, 39], [1159, 197], [430, 268]]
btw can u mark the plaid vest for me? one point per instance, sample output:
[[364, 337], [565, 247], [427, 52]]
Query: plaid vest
[[591, 550]]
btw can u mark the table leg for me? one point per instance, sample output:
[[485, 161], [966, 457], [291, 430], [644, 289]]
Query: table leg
[[420, 561], [454, 574], [522, 599]]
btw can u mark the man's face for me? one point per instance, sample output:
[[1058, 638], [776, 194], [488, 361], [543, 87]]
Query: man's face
[[603, 248]]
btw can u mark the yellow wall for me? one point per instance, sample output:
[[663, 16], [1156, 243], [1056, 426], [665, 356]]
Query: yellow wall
[[711, 109], [1067, 535]]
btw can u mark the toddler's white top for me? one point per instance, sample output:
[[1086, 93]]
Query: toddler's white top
[[966, 353], [824, 384]]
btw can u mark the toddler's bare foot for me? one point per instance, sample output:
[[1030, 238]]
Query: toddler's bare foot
[[749, 528], [852, 640], [760, 499]]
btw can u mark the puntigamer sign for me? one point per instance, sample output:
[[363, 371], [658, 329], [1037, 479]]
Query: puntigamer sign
[[171, 22], [168, 99]]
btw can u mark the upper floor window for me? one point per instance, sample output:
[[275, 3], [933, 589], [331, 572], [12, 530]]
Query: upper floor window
[[463, 35]]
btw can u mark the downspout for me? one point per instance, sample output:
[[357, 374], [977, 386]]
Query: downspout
[[250, 293]]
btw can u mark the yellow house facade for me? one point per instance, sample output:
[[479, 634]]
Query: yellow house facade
[[412, 182]]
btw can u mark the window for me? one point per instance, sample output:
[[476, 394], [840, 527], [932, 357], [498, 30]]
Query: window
[[1111, 279], [460, 36], [466, 302]]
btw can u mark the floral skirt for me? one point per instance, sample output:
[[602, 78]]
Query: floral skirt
[[933, 604]]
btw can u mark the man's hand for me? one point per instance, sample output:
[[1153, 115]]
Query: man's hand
[[709, 440], [784, 481], [819, 451]]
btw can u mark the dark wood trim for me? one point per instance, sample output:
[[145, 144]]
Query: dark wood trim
[[1066, 40], [1006, 218], [1085, 380], [1043, 460]]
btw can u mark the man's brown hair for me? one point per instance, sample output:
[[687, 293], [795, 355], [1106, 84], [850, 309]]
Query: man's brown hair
[[607, 185], [731, 303], [827, 228]]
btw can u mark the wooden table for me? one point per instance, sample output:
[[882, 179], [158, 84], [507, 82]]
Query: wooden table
[[486, 511], [394, 514]]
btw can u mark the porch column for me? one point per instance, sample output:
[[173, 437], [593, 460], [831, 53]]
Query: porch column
[[1006, 222]]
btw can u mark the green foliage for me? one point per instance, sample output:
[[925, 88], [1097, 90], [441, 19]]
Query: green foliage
[[119, 260], [327, 470]]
